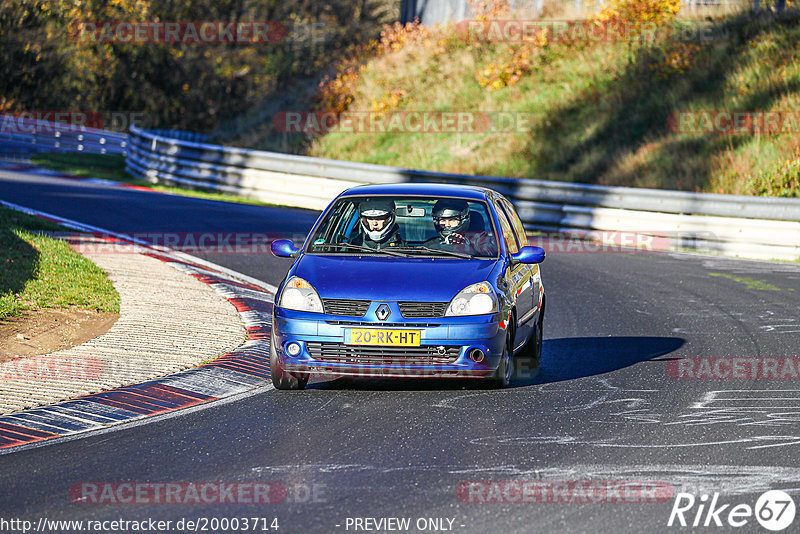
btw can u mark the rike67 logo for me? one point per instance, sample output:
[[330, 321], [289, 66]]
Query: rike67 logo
[[774, 510]]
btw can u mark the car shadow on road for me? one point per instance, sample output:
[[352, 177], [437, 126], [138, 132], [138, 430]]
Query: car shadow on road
[[562, 359], [570, 358]]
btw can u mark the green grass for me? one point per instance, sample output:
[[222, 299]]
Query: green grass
[[107, 167], [750, 283], [42, 272], [112, 167], [600, 112]]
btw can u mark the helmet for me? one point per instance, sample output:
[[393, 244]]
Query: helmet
[[448, 208], [377, 208]]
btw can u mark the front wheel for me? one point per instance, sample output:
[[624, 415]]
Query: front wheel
[[502, 377], [535, 351], [532, 352], [281, 378]]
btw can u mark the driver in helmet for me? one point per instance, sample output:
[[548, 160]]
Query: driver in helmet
[[377, 224], [451, 218]]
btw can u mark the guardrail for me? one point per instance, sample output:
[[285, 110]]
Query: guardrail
[[757, 227], [23, 136]]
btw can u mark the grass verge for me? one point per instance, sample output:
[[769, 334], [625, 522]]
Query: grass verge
[[42, 272]]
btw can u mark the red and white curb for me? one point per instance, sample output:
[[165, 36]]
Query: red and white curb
[[234, 373]]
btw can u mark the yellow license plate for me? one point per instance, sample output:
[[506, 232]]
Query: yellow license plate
[[394, 338]]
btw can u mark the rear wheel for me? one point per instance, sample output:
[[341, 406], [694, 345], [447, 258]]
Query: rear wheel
[[281, 378]]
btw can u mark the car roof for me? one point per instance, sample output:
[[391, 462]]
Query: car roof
[[423, 189]]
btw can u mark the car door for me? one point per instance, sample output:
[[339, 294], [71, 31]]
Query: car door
[[520, 275], [522, 238]]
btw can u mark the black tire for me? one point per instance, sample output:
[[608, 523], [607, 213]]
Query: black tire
[[539, 341], [502, 376], [531, 355], [281, 378], [534, 349]]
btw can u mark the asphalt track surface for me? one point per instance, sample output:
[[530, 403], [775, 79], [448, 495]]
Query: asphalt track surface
[[602, 406]]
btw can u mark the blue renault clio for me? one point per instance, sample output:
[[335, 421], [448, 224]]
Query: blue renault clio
[[409, 281]]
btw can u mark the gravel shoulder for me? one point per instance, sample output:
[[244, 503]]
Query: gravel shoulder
[[169, 321]]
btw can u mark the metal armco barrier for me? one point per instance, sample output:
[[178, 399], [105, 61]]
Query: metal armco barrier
[[23, 136], [755, 227]]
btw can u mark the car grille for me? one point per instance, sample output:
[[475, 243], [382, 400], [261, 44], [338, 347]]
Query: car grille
[[414, 310], [350, 308], [340, 353], [383, 325]]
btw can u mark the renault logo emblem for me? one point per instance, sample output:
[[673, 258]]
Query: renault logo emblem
[[383, 312]]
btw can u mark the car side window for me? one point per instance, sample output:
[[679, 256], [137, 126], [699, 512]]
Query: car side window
[[350, 222], [519, 228], [505, 228], [343, 218]]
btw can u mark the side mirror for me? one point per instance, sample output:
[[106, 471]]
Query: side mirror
[[529, 255], [284, 248]]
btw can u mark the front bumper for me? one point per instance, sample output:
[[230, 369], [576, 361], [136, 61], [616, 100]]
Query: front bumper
[[445, 345]]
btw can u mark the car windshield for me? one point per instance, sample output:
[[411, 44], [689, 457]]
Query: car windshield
[[406, 226]]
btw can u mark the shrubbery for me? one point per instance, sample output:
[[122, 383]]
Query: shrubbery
[[186, 86]]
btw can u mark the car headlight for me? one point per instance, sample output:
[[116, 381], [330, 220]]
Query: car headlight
[[301, 296], [477, 299]]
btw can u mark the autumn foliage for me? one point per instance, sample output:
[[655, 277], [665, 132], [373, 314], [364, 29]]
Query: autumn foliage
[[174, 85], [510, 62], [639, 15]]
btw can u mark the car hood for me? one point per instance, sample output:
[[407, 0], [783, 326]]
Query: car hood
[[391, 278]]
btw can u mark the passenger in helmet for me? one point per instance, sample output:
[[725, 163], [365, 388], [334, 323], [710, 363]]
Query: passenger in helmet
[[378, 228], [451, 218]]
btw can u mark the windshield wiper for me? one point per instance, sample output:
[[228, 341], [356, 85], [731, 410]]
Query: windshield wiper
[[436, 250], [391, 252]]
